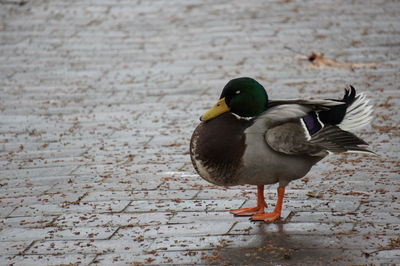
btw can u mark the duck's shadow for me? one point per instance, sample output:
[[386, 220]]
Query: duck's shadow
[[271, 245]]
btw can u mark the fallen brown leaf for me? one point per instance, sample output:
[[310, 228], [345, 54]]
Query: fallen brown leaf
[[318, 61]]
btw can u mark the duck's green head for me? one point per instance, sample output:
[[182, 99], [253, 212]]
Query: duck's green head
[[242, 96]]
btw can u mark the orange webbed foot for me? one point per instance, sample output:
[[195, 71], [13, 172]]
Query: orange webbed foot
[[248, 211], [267, 217]]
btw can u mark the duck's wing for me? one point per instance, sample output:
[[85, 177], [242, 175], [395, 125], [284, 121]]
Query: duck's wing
[[353, 111], [283, 111], [285, 131]]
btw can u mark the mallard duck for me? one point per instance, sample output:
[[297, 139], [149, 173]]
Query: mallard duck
[[245, 138]]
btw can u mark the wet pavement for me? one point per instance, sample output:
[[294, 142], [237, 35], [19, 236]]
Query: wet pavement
[[98, 100]]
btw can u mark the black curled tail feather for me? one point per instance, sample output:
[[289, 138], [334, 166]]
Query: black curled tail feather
[[349, 95], [336, 114]]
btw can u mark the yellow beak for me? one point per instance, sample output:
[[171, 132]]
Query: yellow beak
[[219, 108]]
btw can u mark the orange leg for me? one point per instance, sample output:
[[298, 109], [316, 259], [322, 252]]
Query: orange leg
[[253, 210], [276, 214]]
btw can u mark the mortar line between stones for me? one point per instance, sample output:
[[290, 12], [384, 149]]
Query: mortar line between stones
[[93, 260], [108, 238], [28, 247], [147, 142], [195, 196], [8, 215], [123, 209], [358, 207], [230, 229]]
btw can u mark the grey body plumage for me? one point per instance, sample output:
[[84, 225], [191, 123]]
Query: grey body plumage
[[273, 147]]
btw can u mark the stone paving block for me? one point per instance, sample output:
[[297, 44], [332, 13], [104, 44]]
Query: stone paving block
[[56, 146], [178, 205], [32, 191], [165, 159], [6, 259], [111, 219], [36, 172], [326, 217], [55, 233], [108, 195], [66, 198], [389, 254], [314, 228], [182, 180], [55, 161], [187, 217], [385, 257], [13, 247], [5, 211], [103, 185], [342, 195], [154, 258], [227, 193], [377, 228], [185, 243], [281, 239], [57, 209], [321, 205], [138, 195], [382, 165], [129, 183], [131, 246], [125, 139], [379, 218], [46, 180], [51, 259], [33, 158], [130, 170], [271, 255], [27, 222], [379, 206], [197, 228]]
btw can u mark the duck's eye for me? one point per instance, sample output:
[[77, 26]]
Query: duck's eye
[[237, 92]]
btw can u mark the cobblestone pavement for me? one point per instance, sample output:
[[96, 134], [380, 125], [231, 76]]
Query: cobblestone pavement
[[98, 100]]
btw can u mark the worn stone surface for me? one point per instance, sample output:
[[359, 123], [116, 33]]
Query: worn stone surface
[[98, 100]]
